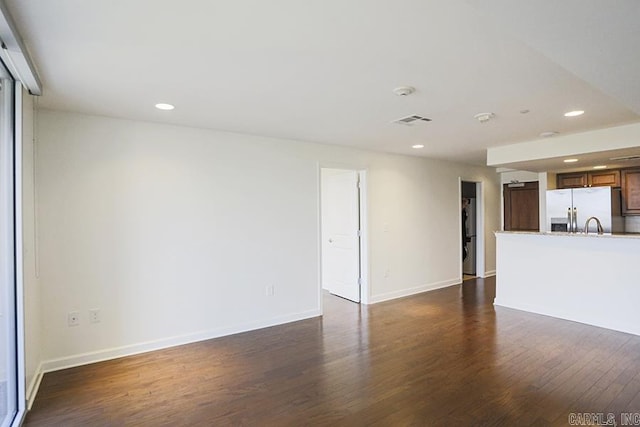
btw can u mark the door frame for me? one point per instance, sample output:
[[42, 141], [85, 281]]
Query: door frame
[[365, 292], [480, 231], [11, 253]]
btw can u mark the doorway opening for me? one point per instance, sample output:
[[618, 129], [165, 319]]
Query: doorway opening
[[472, 226], [342, 233]]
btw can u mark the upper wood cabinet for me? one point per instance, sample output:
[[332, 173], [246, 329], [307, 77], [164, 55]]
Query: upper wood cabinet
[[610, 178], [604, 178], [631, 191], [572, 180], [627, 179]]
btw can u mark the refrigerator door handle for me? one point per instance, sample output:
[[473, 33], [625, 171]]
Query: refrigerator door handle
[[569, 220], [575, 220]]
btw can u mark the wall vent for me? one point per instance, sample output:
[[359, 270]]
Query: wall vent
[[625, 158], [411, 120]]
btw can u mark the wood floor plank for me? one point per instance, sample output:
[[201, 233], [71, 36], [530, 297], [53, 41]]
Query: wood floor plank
[[447, 357]]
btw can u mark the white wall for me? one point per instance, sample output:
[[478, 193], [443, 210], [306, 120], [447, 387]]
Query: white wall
[[543, 185], [32, 303], [174, 232], [520, 176], [613, 138], [632, 224]]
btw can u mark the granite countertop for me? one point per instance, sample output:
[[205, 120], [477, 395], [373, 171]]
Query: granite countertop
[[560, 234]]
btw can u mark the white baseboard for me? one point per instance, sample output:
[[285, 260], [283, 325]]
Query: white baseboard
[[412, 291], [489, 273], [129, 350], [34, 386], [579, 317]]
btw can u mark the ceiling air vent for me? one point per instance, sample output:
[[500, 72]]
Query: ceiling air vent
[[625, 158], [411, 120]]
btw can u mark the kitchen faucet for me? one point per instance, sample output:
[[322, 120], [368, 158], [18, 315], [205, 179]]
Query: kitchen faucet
[[598, 224]]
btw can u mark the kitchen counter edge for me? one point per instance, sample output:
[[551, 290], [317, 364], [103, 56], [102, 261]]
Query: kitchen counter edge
[[560, 234]]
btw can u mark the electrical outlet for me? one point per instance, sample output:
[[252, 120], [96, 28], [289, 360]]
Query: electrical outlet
[[94, 315], [269, 290], [73, 318]]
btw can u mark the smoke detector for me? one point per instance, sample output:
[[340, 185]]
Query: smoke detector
[[404, 90], [484, 117]]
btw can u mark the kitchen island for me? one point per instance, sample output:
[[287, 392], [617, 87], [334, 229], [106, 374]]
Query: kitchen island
[[592, 279]]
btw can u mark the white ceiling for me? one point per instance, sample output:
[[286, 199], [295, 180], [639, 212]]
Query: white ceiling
[[325, 71]]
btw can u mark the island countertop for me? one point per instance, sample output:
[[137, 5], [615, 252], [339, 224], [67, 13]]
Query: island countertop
[[591, 279], [561, 234]]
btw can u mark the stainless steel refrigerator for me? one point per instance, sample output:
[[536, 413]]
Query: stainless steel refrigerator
[[469, 264], [568, 209]]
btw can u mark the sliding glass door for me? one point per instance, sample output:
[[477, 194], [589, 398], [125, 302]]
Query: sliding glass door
[[8, 334]]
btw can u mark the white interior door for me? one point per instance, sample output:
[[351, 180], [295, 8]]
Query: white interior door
[[340, 219]]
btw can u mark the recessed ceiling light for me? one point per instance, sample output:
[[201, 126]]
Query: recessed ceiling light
[[574, 113], [162, 106], [548, 134], [600, 167], [417, 146], [570, 160]]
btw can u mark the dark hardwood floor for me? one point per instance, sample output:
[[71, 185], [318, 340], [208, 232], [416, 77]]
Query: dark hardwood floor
[[445, 357]]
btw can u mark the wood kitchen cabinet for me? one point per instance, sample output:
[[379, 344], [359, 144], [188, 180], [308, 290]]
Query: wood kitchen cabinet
[[572, 180], [605, 178], [631, 191]]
